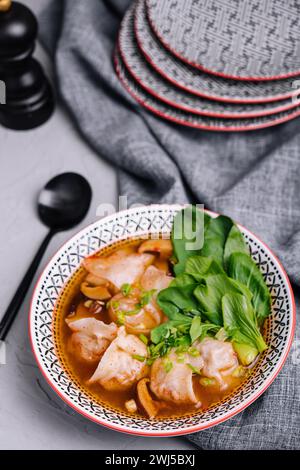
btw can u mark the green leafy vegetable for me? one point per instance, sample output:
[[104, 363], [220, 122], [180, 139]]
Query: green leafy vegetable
[[161, 332], [200, 266], [177, 299], [166, 339], [183, 343], [235, 243], [209, 295], [187, 235], [222, 335], [215, 280], [240, 323], [242, 268], [199, 330], [196, 328], [215, 237], [183, 280], [245, 352]]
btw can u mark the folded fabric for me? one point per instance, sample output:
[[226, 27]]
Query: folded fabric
[[253, 177]]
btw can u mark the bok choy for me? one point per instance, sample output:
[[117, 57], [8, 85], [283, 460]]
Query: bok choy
[[218, 289]]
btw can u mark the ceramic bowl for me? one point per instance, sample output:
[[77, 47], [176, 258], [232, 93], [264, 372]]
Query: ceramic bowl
[[116, 229]]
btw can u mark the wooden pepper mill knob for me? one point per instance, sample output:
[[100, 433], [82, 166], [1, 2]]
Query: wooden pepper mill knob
[[29, 98], [5, 5]]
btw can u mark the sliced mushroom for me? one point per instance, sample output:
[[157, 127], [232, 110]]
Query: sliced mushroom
[[162, 265], [150, 406], [161, 246], [101, 281], [95, 280], [95, 292]]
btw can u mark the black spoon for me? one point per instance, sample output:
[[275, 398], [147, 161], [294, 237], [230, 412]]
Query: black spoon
[[62, 204]]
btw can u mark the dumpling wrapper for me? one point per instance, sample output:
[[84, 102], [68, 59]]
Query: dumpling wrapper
[[118, 369], [90, 338], [154, 278], [150, 315], [219, 358], [175, 385], [122, 267]]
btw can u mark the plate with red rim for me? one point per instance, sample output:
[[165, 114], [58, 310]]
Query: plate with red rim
[[202, 84], [197, 121], [253, 40], [114, 230], [165, 91]]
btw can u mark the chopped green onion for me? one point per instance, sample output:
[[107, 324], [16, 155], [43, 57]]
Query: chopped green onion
[[194, 369], [150, 361], [120, 318], [180, 357], [206, 382], [193, 352], [138, 357], [182, 349], [126, 289], [114, 304], [168, 364], [146, 297], [144, 339], [132, 312], [240, 371]]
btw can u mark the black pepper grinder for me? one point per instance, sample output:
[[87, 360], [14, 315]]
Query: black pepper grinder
[[28, 96]]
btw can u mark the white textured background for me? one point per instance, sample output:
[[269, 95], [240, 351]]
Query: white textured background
[[31, 416]]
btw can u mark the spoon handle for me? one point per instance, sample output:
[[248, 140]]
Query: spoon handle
[[19, 296]]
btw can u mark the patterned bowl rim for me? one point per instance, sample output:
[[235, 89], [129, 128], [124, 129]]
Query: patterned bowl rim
[[207, 127], [198, 66], [123, 428]]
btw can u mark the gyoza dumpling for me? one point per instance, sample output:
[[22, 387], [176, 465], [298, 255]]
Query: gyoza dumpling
[[148, 316], [122, 364], [171, 378], [122, 311], [154, 278], [122, 267], [219, 359], [91, 338]]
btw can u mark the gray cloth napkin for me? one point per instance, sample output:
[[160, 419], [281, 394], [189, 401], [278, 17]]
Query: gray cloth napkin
[[253, 177]]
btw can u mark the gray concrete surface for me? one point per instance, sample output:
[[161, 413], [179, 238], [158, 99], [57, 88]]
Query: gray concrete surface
[[31, 416]]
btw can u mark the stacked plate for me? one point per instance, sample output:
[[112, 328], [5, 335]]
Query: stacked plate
[[215, 65]]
